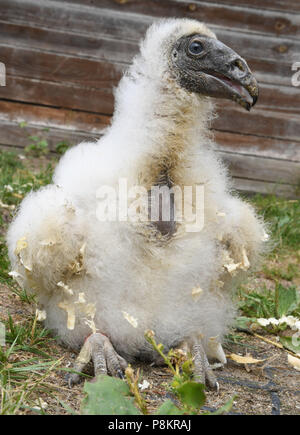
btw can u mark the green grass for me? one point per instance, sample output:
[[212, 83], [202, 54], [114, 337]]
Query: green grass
[[274, 311], [16, 180], [282, 266], [28, 335], [22, 381], [25, 363], [283, 218], [268, 303], [286, 273]]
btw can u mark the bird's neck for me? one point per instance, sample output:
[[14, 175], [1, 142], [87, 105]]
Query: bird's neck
[[164, 126]]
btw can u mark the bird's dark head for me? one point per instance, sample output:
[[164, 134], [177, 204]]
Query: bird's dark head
[[204, 65]]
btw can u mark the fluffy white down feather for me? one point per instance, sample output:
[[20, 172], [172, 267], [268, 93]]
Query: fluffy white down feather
[[121, 268]]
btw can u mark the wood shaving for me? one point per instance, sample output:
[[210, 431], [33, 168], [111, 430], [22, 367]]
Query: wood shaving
[[294, 361], [70, 310], [48, 242], [41, 315], [68, 291], [245, 261], [130, 319], [17, 277], [89, 310], [244, 359], [231, 266], [77, 266], [21, 246], [196, 293], [81, 299], [91, 324]]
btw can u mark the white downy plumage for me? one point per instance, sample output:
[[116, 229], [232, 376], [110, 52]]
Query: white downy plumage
[[122, 278]]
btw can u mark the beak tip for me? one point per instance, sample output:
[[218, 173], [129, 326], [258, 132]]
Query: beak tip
[[248, 106], [255, 98]]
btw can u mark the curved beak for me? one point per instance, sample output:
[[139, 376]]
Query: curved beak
[[227, 75], [244, 90]]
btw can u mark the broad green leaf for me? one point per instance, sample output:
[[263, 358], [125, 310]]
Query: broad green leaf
[[290, 343], [287, 299], [192, 394], [168, 408], [108, 396]]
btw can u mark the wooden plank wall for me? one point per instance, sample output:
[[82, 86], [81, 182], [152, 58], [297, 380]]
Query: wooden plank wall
[[63, 59]]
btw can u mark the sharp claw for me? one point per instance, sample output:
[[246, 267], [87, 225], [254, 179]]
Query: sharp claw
[[71, 379], [67, 378], [120, 374]]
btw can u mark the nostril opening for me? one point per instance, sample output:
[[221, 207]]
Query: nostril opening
[[239, 64]]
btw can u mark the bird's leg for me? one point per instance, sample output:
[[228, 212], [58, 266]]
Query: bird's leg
[[81, 362], [105, 359], [202, 371]]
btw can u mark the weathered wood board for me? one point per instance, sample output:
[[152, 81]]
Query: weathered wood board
[[63, 59]]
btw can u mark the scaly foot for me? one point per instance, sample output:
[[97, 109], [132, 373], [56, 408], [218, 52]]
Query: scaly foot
[[105, 359], [203, 372]]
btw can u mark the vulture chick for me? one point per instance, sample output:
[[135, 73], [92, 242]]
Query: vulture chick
[[102, 272]]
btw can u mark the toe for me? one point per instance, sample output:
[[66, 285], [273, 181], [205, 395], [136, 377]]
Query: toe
[[72, 379], [120, 374], [105, 359], [202, 370], [211, 380], [123, 363], [115, 365]]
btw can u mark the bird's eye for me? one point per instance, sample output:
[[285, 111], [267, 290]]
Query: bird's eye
[[195, 47]]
